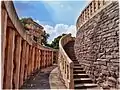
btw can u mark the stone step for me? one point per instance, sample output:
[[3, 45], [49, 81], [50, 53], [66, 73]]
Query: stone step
[[74, 60], [81, 76], [77, 68], [85, 85], [82, 80], [78, 71], [76, 64]]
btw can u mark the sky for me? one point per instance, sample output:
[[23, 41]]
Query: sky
[[57, 17]]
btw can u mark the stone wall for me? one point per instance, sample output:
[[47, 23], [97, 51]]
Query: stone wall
[[97, 46]]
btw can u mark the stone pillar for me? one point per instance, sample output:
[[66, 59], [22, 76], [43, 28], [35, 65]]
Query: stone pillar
[[43, 58], [52, 57], [93, 5], [16, 63], [89, 11], [41, 63], [101, 3], [22, 62], [3, 37], [39, 58], [82, 18], [9, 52], [48, 58], [30, 68], [26, 61], [33, 58], [29, 60], [96, 5]]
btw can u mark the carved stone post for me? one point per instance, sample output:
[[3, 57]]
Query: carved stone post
[[16, 69], [43, 58], [93, 10], [39, 58], [52, 57], [3, 37], [22, 62], [26, 61], [36, 58], [8, 73], [33, 58]]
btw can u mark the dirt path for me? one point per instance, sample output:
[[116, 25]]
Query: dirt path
[[44, 79]]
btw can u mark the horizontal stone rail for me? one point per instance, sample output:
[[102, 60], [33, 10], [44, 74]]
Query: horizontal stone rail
[[20, 55], [90, 11], [65, 63]]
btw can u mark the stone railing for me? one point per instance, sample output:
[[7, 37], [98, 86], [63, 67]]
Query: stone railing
[[65, 63], [90, 11], [20, 55]]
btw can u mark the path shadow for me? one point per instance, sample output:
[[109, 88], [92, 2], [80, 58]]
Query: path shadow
[[39, 79]]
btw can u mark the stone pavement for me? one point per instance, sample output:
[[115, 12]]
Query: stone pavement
[[44, 79]]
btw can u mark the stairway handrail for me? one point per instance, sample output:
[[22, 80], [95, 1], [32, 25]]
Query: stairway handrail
[[68, 63], [61, 44]]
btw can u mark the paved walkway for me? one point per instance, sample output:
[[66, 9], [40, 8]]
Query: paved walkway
[[44, 79]]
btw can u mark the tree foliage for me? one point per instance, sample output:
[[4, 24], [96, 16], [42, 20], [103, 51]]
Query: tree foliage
[[55, 42], [45, 36]]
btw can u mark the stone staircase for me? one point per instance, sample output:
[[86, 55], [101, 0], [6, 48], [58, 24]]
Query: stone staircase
[[81, 79]]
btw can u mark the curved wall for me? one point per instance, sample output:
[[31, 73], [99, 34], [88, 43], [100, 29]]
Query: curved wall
[[20, 55], [97, 45]]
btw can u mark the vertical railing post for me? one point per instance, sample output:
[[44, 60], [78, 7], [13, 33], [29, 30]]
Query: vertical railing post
[[33, 58], [89, 11], [17, 61], [48, 58], [43, 59], [52, 57], [3, 37], [39, 59], [29, 60], [26, 61], [22, 63], [9, 59], [96, 5], [36, 65], [93, 10]]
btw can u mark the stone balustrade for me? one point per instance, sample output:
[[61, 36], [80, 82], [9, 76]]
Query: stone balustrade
[[93, 7], [20, 55], [65, 63]]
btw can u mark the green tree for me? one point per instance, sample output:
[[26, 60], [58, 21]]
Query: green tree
[[45, 36], [55, 42]]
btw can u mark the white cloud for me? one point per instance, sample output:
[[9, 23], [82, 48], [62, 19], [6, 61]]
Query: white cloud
[[59, 29]]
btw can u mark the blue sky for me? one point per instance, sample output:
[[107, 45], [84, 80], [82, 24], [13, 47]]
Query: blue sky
[[57, 17]]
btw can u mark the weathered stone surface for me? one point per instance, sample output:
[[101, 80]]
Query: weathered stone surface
[[97, 45]]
